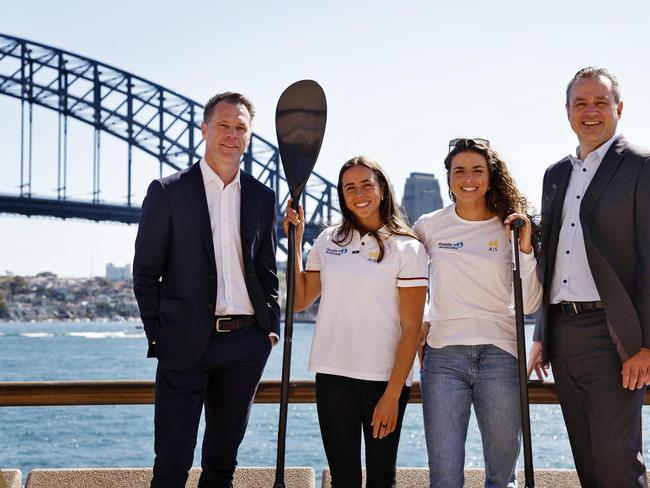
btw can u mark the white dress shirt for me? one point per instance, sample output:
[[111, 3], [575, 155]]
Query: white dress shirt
[[572, 279], [224, 204]]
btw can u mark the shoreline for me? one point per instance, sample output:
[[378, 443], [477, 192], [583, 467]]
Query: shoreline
[[105, 320]]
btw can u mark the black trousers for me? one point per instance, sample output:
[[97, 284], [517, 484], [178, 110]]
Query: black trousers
[[345, 407], [225, 380], [602, 418]]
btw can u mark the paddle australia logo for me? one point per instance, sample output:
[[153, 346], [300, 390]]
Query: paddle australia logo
[[336, 252], [493, 246], [450, 245]]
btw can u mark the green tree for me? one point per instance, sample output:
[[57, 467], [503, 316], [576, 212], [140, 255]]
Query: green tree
[[102, 282], [4, 307], [18, 285], [46, 274]]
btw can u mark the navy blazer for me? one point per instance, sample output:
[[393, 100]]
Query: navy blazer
[[615, 219], [174, 271]]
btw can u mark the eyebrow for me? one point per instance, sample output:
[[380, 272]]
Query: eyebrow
[[460, 166], [582, 99], [367, 180]]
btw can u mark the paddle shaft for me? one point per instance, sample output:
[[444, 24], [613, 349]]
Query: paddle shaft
[[286, 356], [300, 118], [521, 356]]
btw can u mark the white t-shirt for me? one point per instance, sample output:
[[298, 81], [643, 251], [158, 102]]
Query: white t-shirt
[[471, 300], [358, 325]]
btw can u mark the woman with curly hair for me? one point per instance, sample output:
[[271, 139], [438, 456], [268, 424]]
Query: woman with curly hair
[[469, 337], [371, 274]]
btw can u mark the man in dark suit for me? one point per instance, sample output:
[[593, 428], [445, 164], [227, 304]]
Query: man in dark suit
[[594, 323], [204, 275]]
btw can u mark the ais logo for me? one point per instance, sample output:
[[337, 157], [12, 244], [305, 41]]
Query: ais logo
[[493, 246]]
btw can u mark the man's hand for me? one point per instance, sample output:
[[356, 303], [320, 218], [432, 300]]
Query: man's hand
[[274, 339], [535, 362], [636, 370]]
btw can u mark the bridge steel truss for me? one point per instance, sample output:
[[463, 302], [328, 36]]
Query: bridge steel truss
[[143, 114]]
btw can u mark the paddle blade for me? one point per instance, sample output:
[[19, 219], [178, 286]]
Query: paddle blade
[[300, 119]]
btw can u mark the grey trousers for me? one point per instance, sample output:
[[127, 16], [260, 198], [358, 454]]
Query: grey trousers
[[602, 418]]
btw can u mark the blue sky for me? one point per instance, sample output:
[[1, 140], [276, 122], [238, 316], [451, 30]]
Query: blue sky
[[400, 81]]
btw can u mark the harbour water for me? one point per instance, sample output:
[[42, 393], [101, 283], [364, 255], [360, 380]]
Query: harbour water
[[122, 435]]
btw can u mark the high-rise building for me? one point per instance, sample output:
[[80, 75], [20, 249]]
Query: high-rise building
[[421, 195], [118, 273]]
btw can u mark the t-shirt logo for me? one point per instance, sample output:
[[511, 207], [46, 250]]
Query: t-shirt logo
[[450, 245], [336, 252], [493, 246], [373, 256]]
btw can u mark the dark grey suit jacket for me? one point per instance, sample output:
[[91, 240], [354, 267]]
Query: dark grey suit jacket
[[174, 271], [615, 218]]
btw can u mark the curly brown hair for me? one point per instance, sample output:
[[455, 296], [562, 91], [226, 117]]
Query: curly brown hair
[[502, 197], [391, 215]]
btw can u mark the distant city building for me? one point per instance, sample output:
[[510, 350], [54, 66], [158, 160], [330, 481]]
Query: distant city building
[[118, 273], [421, 195]]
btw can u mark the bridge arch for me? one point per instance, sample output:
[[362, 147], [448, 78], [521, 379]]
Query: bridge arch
[[145, 115]]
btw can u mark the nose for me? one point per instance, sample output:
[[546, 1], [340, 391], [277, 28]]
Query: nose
[[469, 177], [232, 132]]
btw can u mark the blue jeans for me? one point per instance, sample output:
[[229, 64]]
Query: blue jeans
[[452, 379]]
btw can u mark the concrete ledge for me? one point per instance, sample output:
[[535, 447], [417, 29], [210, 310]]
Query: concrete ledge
[[141, 477], [552, 478], [416, 478], [475, 478], [12, 478]]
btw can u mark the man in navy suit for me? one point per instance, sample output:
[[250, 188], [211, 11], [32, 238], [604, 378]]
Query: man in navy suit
[[594, 323], [204, 276]]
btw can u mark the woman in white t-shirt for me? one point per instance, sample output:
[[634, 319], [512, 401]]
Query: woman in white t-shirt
[[470, 355], [371, 274]]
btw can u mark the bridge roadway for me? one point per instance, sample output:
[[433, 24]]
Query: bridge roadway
[[79, 209]]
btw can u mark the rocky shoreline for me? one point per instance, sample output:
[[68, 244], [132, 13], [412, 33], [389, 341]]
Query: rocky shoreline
[[47, 297]]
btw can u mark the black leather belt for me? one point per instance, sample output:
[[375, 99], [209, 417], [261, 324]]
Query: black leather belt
[[230, 323], [574, 308]]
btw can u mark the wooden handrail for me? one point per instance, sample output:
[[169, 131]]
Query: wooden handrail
[[50, 393]]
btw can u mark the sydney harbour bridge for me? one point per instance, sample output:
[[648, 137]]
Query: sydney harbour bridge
[[142, 115]]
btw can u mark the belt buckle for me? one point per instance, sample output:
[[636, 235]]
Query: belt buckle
[[219, 320]]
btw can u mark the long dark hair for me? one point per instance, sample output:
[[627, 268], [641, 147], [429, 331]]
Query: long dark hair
[[389, 212], [502, 197]]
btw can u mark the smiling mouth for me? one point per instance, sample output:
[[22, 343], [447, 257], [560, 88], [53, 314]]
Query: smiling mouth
[[469, 188], [591, 123], [362, 204]]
